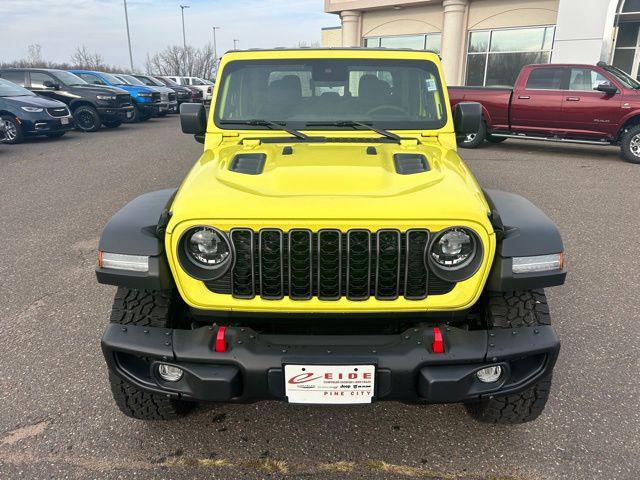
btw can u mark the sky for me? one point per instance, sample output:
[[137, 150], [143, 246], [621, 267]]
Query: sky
[[59, 26]]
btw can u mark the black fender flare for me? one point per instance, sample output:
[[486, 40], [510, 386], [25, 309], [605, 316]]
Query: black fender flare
[[138, 229], [522, 230]]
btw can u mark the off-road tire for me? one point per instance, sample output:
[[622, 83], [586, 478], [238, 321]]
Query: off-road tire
[[17, 135], [152, 309], [513, 310], [87, 118], [627, 145], [112, 123], [474, 140]]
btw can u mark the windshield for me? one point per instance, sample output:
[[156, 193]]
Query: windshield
[[168, 81], [8, 89], [129, 80], [622, 77], [112, 79], [150, 81], [68, 78], [401, 94]]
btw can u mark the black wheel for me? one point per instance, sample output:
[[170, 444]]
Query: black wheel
[[491, 139], [112, 123], [474, 140], [630, 144], [87, 118], [14, 132], [153, 309], [56, 135], [511, 310]]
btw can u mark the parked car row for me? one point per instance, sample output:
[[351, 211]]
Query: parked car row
[[39, 102]]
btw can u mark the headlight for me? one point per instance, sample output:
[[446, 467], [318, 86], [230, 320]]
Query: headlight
[[31, 109], [106, 97], [455, 254], [205, 253]]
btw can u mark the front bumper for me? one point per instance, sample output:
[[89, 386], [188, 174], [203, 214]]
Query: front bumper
[[116, 113], [45, 125], [407, 370]]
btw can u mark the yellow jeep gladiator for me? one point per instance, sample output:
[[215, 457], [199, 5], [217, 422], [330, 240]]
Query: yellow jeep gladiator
[[330, 247]]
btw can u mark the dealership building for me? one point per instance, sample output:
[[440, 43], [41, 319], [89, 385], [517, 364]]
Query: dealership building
[[486, 42]]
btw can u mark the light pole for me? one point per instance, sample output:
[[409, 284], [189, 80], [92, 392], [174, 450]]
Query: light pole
[[215, 46], [126, 19], [235, 43], [184, 36]]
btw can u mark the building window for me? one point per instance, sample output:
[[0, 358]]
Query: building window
[[430, 42], [495, 57]]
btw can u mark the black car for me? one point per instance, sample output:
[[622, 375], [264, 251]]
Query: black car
[[90, 105], [183, 94], [24, 113]]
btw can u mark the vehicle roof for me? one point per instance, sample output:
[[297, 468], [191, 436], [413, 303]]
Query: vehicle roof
[[563, 65], [337, 52]]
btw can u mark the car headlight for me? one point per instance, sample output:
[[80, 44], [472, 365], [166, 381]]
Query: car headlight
[[32, 109], [455, 254], [106, 97], [205, 252]]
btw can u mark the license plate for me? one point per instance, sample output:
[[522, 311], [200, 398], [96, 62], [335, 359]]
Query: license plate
[[129, 114], [329, 384], [64, 121]]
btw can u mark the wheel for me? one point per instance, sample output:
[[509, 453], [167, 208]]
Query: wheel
[[153, 309], [56, 135], [630, 144], [474, 140], [87, 118], [112, 123], [13, 129], [491, 139], [512, 310]]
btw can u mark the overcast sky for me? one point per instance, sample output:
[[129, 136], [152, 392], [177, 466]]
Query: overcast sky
[[61, 25]]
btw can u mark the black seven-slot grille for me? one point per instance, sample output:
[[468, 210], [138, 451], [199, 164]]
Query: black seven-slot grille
[[330, 264]]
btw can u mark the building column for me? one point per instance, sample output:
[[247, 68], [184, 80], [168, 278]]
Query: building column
[[350, 28], [452, 48]]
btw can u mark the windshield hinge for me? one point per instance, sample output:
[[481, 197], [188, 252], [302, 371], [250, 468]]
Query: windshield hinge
[[409, 142], [251, 142], [230, 133]]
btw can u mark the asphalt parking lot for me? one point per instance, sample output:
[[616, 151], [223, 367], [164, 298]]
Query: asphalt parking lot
[[58, 419]]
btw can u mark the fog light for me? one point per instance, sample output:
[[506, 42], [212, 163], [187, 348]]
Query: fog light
[[169, 372], [489, 374]]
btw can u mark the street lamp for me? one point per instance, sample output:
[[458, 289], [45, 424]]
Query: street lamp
[[215, 46], [184, 37], [126, 19]]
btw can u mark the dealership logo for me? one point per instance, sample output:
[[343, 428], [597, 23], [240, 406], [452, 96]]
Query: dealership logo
[[303, 378]]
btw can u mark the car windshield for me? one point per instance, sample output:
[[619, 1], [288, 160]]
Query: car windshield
[[112, 79], [153, 81], [8, 89], [68, 78], [168, 81], [129, 80], [622, 77], [401, 94]]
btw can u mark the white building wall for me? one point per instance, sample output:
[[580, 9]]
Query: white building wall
[[584, 32]]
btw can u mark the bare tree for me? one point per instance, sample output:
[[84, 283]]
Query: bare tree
[[189, 62], [83, 58], [34, 57]]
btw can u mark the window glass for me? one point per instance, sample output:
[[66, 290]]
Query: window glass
[[373, 42], [38, 79], [623, 59], [479, 41], [627, 34], [545, 79], [196, 81], [89, 78], [10, 89], [67, 78], [433, 43], [549, 33], [521, 40], [585, 79], [504, 68], [15, 77], [631, 6], [415, 42], [475, 70]]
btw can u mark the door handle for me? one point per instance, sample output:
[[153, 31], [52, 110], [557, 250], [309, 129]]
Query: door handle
[[573, 99], [524, 97]]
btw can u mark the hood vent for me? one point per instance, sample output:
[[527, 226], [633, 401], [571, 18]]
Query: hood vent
[[248, 163], [410, 163]]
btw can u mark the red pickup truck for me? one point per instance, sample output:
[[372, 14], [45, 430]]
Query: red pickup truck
[[562, 103]]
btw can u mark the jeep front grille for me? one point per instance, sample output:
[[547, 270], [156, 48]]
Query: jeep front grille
[[330, 264]]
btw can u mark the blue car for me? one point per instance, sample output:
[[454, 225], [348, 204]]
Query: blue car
[[24, 114], [146, 101]]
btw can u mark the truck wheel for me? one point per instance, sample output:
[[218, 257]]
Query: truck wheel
[[87, 118], [112, 123], [152, 309], [630, 144], [512, 310], [14, 131], [474, 140]]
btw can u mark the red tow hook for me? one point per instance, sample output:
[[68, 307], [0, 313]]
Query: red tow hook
[[221, 342], [438, 344]]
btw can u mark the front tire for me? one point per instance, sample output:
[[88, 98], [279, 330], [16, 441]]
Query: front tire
[[87, 118], [474, 140], [514, 310], [630, 144], [152, 309], [14, 132]]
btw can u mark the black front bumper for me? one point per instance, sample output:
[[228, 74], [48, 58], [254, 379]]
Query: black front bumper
[[116, 113], [407, 370]]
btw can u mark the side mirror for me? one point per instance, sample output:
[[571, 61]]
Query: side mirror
[[193, 120], [467, 118], [607, 88], [51, 85]]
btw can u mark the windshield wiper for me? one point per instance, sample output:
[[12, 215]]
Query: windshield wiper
[[354, 124], [267, 123]]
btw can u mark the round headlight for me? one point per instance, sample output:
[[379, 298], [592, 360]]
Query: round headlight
[[208, 247], [453, 249]]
